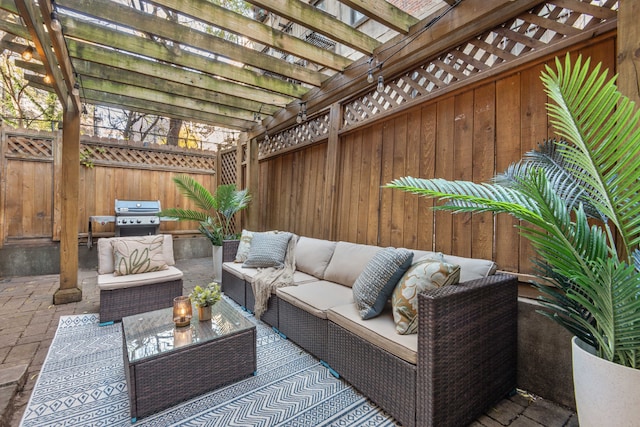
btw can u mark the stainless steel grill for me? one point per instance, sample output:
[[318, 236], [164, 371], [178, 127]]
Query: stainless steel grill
[[137, 217]]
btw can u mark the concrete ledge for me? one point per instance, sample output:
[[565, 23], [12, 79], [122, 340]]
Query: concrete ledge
[[544, 355], [36, 259]]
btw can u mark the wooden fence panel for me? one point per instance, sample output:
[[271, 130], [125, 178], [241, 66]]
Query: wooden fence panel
[[110, 170], [508, 100], [291, 189], [470, 134]]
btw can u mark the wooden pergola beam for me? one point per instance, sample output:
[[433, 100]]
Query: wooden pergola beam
[[121, 42], [320, 22], [183, 35], [258, 32], [384, 12], [91, 53]]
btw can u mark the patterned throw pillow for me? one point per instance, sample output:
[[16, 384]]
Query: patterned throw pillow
[[135, 255], [267, 250], [244, 246], [376, 282], [423, 275]]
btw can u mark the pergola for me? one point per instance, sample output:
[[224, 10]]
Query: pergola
[[111, 53]]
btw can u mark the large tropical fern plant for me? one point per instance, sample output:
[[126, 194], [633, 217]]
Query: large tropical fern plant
[[217, 210], [579, 198]]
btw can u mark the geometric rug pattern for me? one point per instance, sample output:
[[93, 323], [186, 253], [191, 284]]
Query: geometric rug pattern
[[82, 383]]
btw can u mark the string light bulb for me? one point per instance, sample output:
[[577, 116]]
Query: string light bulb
[[380, 87], [370, 76], [76, 89], [55, 22], [47, 79], [27, 54]]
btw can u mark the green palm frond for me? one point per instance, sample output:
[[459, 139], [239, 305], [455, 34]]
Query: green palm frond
[[602, 127], [466, 196], [559, 174], [216, 210], [195, 192], [592, 172]]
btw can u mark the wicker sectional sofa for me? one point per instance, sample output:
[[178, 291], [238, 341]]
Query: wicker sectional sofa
[[461, 361]]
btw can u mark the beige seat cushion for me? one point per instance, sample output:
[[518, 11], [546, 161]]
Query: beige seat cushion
[[348, 261], [313, 255], [316, 297], [379, 331], [109, 281], [106, 261]]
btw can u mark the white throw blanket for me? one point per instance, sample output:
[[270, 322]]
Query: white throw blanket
[[269, 279]]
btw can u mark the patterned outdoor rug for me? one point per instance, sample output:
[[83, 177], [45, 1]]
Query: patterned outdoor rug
[[82, 383]]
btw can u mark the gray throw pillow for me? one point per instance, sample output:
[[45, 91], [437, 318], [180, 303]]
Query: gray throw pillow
[[376, 282], [267, 250]]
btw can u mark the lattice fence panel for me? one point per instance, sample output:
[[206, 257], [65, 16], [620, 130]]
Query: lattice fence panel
[[313, 129], [542, 26], [131, 155], [29, 147], [228, 173]]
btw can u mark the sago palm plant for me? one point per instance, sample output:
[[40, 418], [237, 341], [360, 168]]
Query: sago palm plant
[[215, 216], [579, 200]]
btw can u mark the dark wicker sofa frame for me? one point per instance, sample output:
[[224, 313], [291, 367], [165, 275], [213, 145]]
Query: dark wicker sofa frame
[[467, 351], [241, 292], [118, 303]]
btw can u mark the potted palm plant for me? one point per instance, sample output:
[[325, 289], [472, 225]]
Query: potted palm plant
[[215, 214], [579, 200]]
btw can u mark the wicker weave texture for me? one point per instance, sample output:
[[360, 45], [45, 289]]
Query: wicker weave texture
[[160, 382], [118, 303], [467, 347], [229, 250], [271, 315], [303, 328], [233, 287], [384, 378]]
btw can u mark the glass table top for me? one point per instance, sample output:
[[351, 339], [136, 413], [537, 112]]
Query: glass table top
[[153, 333]]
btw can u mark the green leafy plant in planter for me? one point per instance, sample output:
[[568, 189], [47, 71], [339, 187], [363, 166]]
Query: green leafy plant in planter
[[207, 296], [216, 211], [579, 198]]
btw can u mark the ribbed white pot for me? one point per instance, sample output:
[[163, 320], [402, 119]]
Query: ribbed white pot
[[607, 394], [217, 264]]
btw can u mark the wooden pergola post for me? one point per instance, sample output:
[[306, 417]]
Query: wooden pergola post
[[253, 184], [70, 177]]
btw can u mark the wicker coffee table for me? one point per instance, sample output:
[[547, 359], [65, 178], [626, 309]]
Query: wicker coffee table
[[165, 365]]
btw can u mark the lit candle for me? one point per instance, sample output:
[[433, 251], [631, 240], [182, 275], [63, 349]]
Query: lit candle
[[182, 311]]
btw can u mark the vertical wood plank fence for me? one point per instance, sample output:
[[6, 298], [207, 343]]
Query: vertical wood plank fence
[[111, 169]]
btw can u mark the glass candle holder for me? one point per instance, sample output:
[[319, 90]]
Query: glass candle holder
[[182, 311]]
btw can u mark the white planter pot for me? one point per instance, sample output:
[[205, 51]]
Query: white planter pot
[[217, 264], [607, 394]]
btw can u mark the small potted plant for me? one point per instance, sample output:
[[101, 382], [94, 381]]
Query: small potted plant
[[204, 298]]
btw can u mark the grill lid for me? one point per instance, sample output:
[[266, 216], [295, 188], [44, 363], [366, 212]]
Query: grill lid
[[137, 207]]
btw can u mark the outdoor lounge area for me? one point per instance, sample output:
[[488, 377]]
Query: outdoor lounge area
[[26, 307], [320, 213]]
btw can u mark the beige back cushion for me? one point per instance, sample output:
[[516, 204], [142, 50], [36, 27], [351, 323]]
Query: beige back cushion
[[472, 268], [348, 261], [105, 252], [313, 255]]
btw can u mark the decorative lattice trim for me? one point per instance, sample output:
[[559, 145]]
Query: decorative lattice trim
[[542, 26], [228, 167], [308, 132]]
